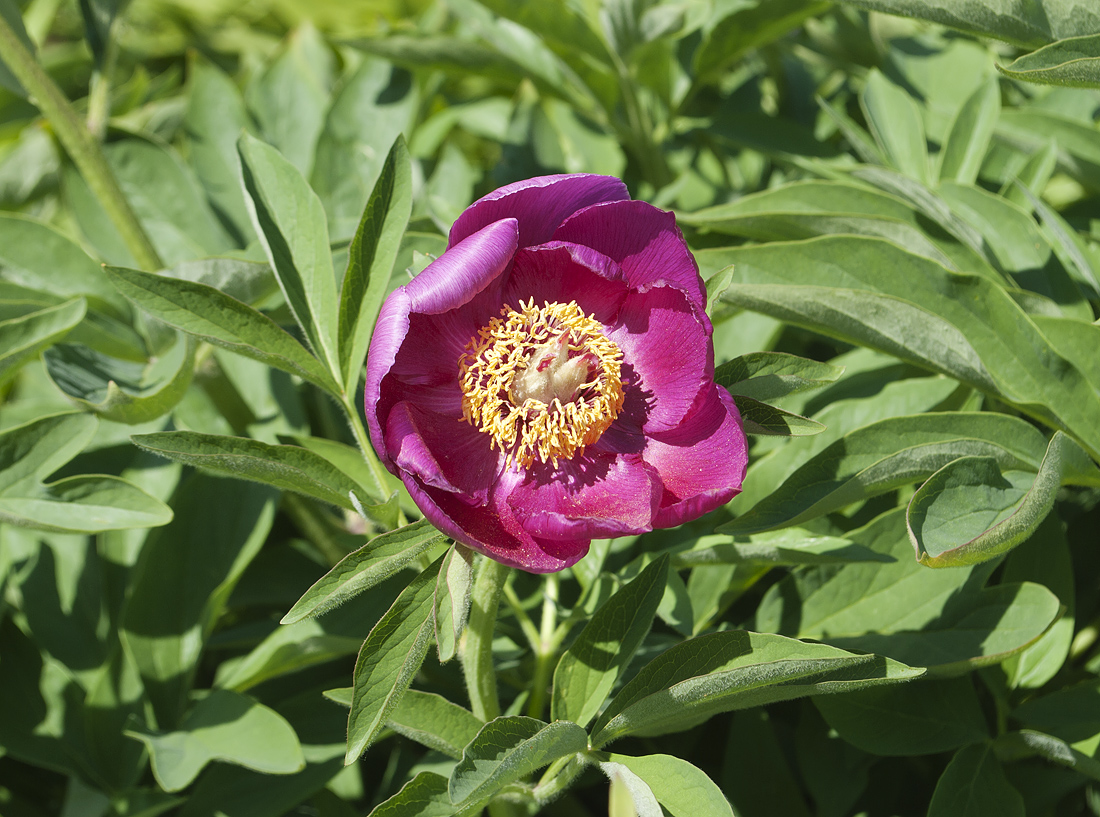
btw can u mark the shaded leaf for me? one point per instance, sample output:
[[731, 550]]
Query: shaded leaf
[[1074, 61], [683, 789]]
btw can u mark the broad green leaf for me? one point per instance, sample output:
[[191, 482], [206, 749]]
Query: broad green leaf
[[1031, 129], [789, 546], [507, 749], [452, 600], [886, 455], [735, 669], [391, 656], [24, 337], [971, 510], [970, 133], [224, 726], [214, 119], [380, 558], [119, 390], [370, 263], [423, 796], [770, 375], [350, 460], [922, 718], [1032, 178], [761, 418], [83, 504], [215, 317], [371, 109], [974, 785], [286, 467], [1030, 24], [1074, 61], [249, 282], [1070, 714], [288, 99], [885, 298], [588, 670], [683, 789], [34, 450], [629, 795], [293, 229], [896, 124], [1028, 743], [183, 580], [749, 26], [433, 721]]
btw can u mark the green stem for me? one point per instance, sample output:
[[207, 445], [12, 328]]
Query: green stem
[[362, 439], [546, 651], [99, 93], [477, 653], [79, 144]]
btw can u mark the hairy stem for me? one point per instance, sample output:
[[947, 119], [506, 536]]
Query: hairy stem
[[79, 143]]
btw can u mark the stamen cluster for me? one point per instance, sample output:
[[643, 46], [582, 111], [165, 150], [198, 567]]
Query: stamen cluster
[[542, 382]]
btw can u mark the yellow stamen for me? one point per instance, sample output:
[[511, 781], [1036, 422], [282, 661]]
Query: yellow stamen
[[542, 382]]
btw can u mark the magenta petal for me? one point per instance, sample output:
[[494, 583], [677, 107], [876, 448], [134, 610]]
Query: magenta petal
[[540, 205], [643, 240], [595, 495], [558, 272], [702, 463], [389, 333], [465, 269], [665, 340]]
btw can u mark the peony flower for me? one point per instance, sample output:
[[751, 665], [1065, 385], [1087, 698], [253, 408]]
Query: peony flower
[[549, 379]]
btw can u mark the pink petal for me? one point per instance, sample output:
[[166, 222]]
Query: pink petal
[[465, 269], [540, 204], [665, 339], [597, 494], [565, 272], [389, 333], [643, 240], [702, 462]]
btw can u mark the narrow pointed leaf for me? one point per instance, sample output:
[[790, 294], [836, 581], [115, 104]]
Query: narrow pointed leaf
[[1072, 62], [423, 796], [83, 504], [763, 419], [896, 125], [433, 721], [452, 600], [970, 134], [24, 337], [771, 375]]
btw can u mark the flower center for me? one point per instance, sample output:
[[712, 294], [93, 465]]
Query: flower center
[[543, 382]]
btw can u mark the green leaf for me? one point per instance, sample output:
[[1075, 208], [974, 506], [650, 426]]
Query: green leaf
[[350, 460], [24, 337], [683, 789], [1031, 129], [1073, 62], [34, 450], [971, 510], [760, 418], [508, 749], [974, 785], [423, 796], [896, 124], [183, 580], [735, 669], [588, 670], [370, 263], [1033, 177], [452, 600], [83, 504], [381, 557], [886, 455], [1070, 713], [14, 18], [1031, 24], [225, 726], [969, 135], [286, 467], [959, 324], [433, 721], [217, 318], [391, 656], [293, 229], [922, 718], [119, 390], [789, 546], [1027, 743], [772, 375]]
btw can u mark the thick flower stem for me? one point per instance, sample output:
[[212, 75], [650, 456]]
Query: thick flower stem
[[546, 650], [79, 143], [477, 654]]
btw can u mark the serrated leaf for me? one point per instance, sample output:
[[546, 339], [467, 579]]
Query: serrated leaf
[[376, 561], [391, 656], [588, 670], [293, 229], [735, 669], [969, 135], [286, 467], [224, 726], [24, 337], [452, 600], [683, 789], [886, 455], [370, 262], [771, 375], [1073, 62], [217, 318], [507, 749], [971, 510], [433, 721]]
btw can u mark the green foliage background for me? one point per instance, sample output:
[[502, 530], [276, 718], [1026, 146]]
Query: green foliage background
[[215, 601]]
